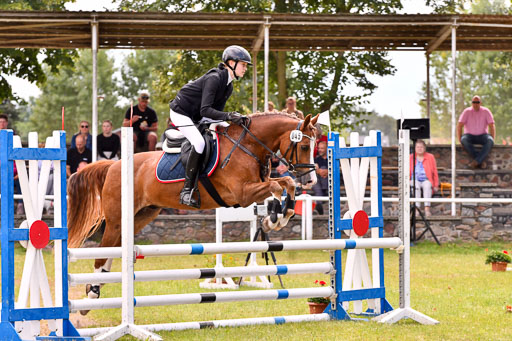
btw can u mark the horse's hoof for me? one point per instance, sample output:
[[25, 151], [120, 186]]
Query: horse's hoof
[[268, 225], [92, 291], [84, 312]]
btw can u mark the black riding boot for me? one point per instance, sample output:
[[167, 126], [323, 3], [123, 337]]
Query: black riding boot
[[190, 186]]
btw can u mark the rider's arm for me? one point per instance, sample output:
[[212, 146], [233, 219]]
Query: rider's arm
[[210, 87]]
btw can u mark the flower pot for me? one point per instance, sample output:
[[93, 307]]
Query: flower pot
[[317, 308], [499, 266]]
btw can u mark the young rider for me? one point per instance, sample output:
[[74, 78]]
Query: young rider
[[206, 97]]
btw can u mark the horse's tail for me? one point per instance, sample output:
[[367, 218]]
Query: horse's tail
[[84, 201]]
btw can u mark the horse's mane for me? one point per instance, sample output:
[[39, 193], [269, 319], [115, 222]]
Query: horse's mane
[[268, 113]]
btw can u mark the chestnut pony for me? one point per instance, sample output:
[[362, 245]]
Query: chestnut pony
[[94, 193]]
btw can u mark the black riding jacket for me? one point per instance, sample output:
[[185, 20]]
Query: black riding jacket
[[205, 97]]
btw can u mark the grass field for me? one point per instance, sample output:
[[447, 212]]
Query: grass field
[[449, 283]]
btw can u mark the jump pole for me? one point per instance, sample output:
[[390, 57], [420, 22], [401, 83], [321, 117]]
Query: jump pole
[[405, 310]]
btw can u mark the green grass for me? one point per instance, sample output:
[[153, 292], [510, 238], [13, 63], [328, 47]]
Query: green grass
[[449, 283]]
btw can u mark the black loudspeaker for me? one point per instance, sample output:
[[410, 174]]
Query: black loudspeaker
[[419, 127]]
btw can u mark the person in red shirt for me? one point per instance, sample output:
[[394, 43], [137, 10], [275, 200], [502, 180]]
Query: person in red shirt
[[427, 179]]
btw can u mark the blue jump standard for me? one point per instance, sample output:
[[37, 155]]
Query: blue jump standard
[[337, 225], [9, 236]]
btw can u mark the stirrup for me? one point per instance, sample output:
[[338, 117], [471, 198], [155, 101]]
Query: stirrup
[[187, 198]]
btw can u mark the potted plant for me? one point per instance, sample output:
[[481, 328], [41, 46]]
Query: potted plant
[[498, 260], [317, 305]]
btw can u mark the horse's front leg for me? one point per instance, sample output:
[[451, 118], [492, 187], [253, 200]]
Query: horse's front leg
[[288, 209], [257, 192]]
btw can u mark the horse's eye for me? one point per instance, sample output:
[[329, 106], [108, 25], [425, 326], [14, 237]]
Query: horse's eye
[[304, 148]]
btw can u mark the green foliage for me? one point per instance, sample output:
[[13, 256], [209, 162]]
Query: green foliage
[[71, 88], [28, 63], [484, 73], [317, 79], [385, 123], [497, 256]]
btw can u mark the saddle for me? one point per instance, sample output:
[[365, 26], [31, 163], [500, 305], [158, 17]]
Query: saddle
[[172, 163], [176, 143]]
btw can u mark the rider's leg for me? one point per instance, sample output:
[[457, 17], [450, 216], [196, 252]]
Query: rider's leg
[[187, 128]]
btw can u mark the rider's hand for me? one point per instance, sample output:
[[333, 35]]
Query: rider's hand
[[236, 118]]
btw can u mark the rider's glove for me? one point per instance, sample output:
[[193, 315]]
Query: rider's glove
[[236, 118]]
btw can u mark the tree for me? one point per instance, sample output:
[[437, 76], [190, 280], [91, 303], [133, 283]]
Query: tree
[[484, 73], [72, 88], [28, 63], [316, 78]]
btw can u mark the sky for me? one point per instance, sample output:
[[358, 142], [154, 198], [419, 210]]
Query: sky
[[396, 95]]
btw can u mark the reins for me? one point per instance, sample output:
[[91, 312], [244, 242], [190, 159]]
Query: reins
[[292, 148]]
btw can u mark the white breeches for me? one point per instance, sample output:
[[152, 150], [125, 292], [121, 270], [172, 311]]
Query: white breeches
[[426, 187], [188, 129]]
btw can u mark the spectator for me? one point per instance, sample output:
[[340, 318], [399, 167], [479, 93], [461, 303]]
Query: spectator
[[144, 122], [427, 179], [272, 108], [291, 108], [109, 144], [77, 155], [479, 128], [321, 187], [320, 137], [83, 129], [4, 121]]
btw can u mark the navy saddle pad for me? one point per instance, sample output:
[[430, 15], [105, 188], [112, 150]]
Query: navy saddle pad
[[164, 173]]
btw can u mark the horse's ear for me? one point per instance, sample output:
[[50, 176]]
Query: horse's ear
[[307, 120], [313, 121]]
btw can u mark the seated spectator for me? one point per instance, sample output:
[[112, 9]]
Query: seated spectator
[[77, 155], [109, 144], [291, 108], [427, 179], [479, 129], [4, 121], [83, 129], [321, 187], [272, 108], [320, 137], [144, 122]]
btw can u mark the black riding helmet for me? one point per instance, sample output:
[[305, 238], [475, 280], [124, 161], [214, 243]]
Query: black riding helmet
[[236, 53]]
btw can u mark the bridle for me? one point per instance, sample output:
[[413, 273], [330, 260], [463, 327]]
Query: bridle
[[296, 136]]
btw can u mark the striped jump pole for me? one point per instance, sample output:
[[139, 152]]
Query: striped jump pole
[[220, 323], [237, 247], [213, 297], [186, 274]]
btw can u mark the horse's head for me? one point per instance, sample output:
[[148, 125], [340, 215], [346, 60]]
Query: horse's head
[[298, 152]]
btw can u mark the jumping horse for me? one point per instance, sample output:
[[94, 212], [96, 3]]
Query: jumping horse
[[94, 193]]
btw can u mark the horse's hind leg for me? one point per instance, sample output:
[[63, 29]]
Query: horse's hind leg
[[112, 238]]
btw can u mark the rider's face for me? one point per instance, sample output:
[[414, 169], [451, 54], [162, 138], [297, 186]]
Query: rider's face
[[241, 68]]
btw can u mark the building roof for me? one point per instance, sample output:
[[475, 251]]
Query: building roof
[[288, 32]]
